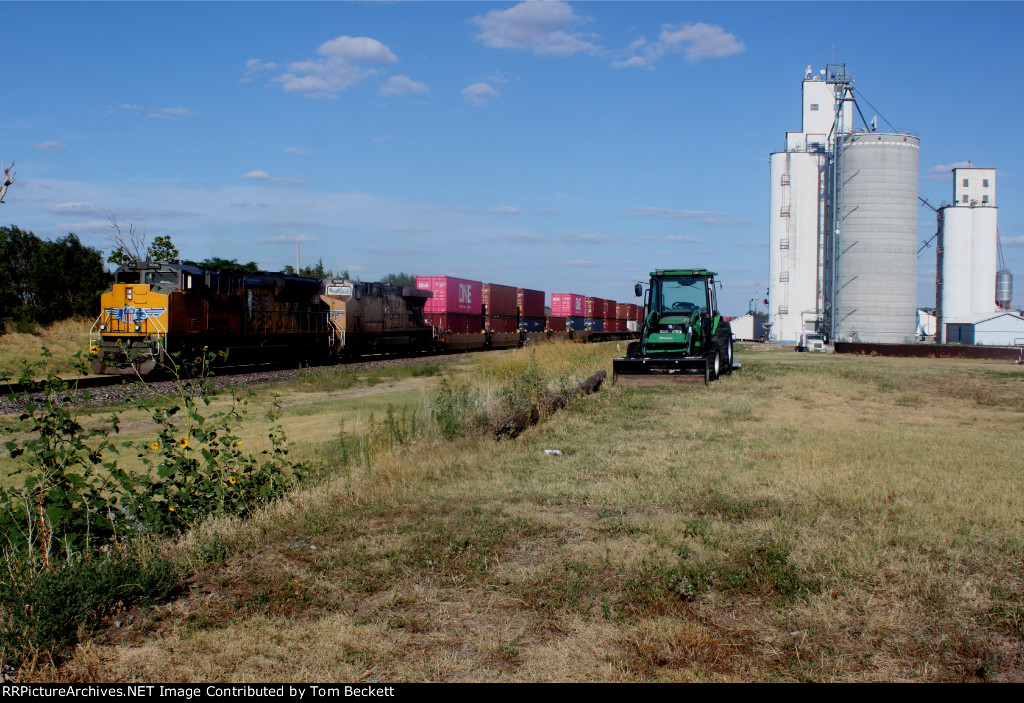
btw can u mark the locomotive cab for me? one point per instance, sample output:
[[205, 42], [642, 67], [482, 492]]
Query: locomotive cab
[[374, 317]]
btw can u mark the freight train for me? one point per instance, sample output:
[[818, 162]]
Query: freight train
[[155, 311]]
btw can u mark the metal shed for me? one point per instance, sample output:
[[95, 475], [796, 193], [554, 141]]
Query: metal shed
[[995, 328]]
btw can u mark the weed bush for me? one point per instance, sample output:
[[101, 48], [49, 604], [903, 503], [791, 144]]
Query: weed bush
[[45, 611], [76, 506]]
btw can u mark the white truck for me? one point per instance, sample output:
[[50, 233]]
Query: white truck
[[812, 341]]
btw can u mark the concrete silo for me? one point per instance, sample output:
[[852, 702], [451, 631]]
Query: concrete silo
[[874, 285], [967, 258]]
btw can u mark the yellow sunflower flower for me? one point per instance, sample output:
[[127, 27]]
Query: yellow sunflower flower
[[232, 479], [154, 446], [171, 508], [183, 443]]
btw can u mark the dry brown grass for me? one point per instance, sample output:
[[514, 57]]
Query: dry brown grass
[[810, 518], [63, 339]]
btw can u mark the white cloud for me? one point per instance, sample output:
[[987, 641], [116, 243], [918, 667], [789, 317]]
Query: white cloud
[[288, 238], [361, 49], [168, 113], [667, 213], [341, 67], [1012, 241], [683, 238], [295, 150], [260, 65], [539, 27], [944, 172], [696, 41], [75, 208], [479, 93], [401, 85], [261, 176], [505, 210], [592, 238], [50, 146]]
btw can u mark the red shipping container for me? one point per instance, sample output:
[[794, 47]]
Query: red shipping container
[[451, 295], [530, 302], [556, 324], [455, 323], [500, 301], [567, 305], [594, 308], [501, 324], [622, 311]]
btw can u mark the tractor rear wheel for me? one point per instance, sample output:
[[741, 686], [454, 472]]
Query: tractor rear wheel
[[633, 349]]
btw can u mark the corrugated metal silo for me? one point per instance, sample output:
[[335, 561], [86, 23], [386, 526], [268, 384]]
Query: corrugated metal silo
[[877, 262], [1004, 288]]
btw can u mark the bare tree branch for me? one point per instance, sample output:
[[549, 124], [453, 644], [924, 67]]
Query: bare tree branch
[[128, 246], [8, 179]]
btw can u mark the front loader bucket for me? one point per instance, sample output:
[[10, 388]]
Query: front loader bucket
[[660, 370]]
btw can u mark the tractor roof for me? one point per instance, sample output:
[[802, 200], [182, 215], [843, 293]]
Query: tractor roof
[[663, 273]]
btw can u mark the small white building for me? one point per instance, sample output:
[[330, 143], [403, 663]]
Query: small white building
[[747, 328], [1004, 329]]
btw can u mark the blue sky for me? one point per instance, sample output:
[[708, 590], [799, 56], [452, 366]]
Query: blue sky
[[570, 147]]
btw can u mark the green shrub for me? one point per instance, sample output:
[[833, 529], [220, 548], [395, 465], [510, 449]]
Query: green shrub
[[45, 611]]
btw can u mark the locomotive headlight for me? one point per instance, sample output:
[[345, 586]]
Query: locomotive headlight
[[103, 327], [138, 326], [128, 293]]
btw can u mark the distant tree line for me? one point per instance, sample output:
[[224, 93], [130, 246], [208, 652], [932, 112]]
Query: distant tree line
[[44, 281]]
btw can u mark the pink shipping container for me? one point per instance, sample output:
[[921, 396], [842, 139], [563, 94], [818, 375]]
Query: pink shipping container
[[556, 324], [499, 300], [451, 295], [567, 305], [501, 324], [455, 323], [530, 302]]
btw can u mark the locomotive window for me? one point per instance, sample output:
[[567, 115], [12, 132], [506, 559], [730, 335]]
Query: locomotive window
[[161, 277], [127, 277]]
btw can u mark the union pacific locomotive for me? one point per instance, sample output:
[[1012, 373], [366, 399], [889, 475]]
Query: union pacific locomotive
[[155, 309]]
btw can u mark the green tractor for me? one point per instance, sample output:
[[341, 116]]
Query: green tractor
[[683, 338]]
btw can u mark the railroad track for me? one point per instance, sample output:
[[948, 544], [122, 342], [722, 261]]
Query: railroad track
[[113, 389]]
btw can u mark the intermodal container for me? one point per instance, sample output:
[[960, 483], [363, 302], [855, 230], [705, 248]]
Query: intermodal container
[[632, 326], [530, 302], [556, 324], [451, 295], [500, 301], [501, 324], [594, 324], [575, 323], [454, 322], [622, 311], [534, 324], [567, 305]]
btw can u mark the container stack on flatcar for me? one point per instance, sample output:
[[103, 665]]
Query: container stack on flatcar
[[456, 303], [530, 305]]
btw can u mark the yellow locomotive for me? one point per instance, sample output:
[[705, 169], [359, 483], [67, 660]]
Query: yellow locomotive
[[156, 309]]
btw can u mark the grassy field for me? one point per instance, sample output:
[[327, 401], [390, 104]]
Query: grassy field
[[811, 518], [63, 340]]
